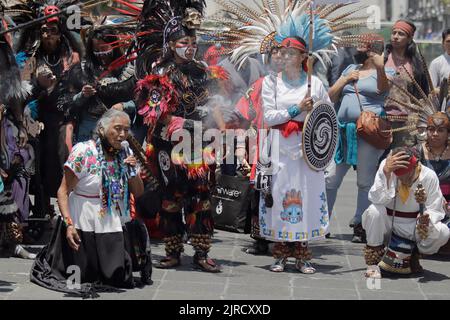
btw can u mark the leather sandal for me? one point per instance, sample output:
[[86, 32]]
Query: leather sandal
[[168, 263], [206, 264]]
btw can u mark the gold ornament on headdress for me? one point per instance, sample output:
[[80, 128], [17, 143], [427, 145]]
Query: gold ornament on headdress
[[192, 19]]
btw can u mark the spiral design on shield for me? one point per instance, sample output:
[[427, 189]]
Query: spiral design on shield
[[164, 160], [322, 137]]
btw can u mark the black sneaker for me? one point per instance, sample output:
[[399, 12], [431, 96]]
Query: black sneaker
[[259, 247], [351, 224], [359, 234], [146, 271]]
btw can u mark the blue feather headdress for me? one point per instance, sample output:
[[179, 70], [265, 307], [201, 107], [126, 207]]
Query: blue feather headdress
[[247, 31], [299, 27], [297, 24]]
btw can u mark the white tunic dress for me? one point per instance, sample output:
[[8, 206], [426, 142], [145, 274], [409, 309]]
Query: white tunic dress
[[84, 200], [300, 211]]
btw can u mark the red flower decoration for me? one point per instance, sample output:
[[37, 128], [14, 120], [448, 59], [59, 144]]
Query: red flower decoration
[[156, 98]]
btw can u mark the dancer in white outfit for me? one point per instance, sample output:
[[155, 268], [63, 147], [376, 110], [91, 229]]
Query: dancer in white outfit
[[299, 212], [393, 190]]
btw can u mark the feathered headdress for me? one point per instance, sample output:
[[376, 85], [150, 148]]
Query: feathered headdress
[[158, 22], [117, 31], [248, 31], [27, 14], [12, 88], [444, 94]]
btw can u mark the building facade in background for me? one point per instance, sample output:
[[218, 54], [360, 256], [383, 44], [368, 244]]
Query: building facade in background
[[434, 16]]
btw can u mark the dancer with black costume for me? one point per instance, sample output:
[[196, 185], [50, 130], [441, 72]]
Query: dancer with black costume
[[51, 51], [95, 74], [171, 99], [15, 155]]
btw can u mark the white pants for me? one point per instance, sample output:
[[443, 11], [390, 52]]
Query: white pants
[[378, 226]]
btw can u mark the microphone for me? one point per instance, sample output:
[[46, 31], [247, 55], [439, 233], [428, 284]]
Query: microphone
[[131, 170]]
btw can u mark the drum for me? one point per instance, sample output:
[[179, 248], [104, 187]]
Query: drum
[[397, 259], [320, 136]]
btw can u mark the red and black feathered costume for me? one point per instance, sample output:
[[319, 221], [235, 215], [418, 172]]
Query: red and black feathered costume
[[171, 96]]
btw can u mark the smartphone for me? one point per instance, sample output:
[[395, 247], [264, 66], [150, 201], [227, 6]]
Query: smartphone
[[377, 46]]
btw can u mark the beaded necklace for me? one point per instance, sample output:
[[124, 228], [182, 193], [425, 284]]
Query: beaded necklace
[[51, 64], [296, 82], [437, 157], [114, 187]]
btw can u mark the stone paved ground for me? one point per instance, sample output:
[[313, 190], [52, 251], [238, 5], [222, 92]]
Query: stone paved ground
[[339, 263]]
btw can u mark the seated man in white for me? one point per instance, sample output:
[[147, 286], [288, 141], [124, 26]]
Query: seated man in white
[[393, 193]]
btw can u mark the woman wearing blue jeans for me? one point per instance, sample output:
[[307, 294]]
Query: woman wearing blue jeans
[[361, 86]]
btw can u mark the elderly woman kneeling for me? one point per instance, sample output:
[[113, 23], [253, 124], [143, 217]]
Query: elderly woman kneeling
[[94, 200]]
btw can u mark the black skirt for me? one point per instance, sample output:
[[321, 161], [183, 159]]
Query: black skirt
[[104, 262]]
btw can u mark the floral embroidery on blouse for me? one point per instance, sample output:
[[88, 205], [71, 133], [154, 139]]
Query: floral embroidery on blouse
[[82, 158]]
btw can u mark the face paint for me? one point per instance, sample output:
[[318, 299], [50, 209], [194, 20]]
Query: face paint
[[181, 52]]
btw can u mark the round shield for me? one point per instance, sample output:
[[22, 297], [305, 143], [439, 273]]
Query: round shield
[[320, 136]]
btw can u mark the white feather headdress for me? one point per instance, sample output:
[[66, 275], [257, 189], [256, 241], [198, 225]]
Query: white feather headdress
[[246, 30]]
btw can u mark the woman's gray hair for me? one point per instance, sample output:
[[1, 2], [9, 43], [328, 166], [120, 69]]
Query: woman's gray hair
[[105, 121]]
